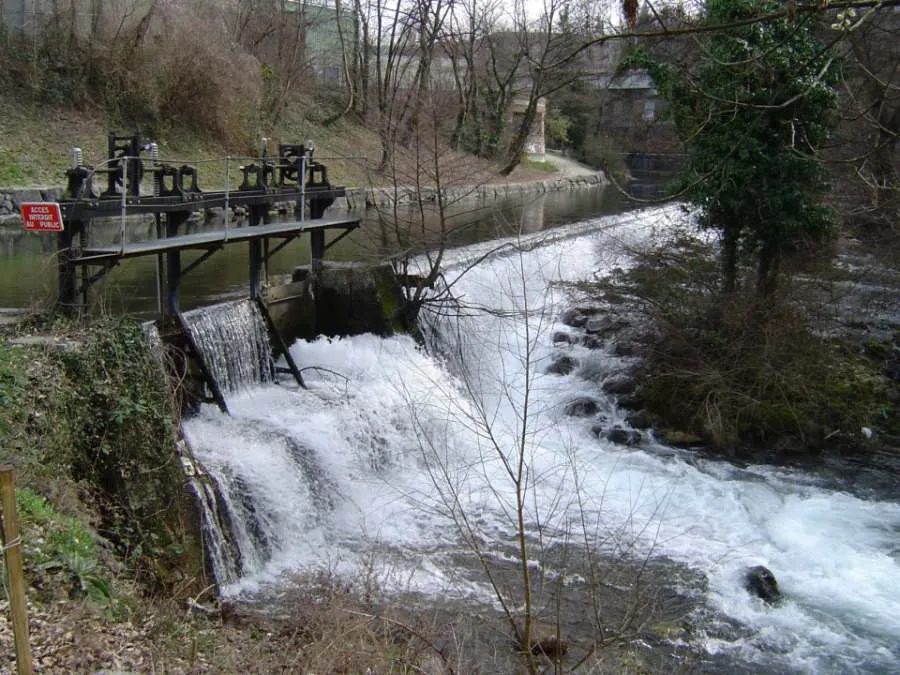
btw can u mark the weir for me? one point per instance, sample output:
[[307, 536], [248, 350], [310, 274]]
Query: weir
[[172, 197], [351, 477]]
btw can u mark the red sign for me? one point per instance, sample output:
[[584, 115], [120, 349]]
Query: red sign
[[42, 216]]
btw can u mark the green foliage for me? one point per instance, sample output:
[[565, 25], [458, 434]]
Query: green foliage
[[60, 550], [753, 112], [98, 414], [578, 105], [558, 126], [124, 435], [539, 165]]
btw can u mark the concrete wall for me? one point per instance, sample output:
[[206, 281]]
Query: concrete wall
[[83, 17]]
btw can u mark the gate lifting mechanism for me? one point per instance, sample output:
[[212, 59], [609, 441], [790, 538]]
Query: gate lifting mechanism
[[290, 176]]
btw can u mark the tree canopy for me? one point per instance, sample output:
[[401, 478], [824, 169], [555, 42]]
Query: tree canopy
[[753, 110]]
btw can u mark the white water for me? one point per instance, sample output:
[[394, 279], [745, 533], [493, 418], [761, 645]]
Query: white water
[[366, 470]]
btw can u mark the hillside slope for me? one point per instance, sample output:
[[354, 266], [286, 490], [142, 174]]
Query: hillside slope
[[36, 142]]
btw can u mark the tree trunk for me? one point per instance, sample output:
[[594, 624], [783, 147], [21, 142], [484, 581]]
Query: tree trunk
[[730, 259], [517, 146], [767, 270], [885, 173]]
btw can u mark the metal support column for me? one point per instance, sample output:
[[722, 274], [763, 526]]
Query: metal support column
[[317, 250], [68, 274], [173, 263], [258, 214]]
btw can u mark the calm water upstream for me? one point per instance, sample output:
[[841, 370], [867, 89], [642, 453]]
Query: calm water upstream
[[28, 272]]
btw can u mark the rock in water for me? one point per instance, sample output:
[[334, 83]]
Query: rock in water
[[562, 365], [583, 406], [759, 581]]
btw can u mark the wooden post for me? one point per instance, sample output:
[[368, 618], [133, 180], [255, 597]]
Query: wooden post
[[12, 548]]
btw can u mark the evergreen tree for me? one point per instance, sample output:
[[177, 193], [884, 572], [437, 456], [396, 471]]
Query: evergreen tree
[[752, 111]]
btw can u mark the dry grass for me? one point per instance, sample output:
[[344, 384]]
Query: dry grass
[[36, 141]]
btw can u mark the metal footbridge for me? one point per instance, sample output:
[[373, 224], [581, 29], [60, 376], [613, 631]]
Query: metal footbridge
[[138, 187]]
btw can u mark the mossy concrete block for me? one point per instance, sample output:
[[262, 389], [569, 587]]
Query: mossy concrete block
[[293, 310], [351, 299]]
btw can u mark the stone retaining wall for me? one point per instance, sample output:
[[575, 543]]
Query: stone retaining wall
[[10, 199], [386, 196]]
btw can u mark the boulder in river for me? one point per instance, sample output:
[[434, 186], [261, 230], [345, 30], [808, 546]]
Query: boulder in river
[[759, 581], [619, 385], [621, 436], [574, 318], [562, 365], [583, 406]]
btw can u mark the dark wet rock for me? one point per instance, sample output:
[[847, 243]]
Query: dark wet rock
[[591, 342], [759, 581], [562, 365], [621, 436], [598, 324], [632, 401], [614, 297], [551, 646], [546, 640], [679, 439], [582, 407], [603, 325], [564, 338], [624, 349], [640, 419], [892, 370], [574, 318], [594, 370], [619, 386]]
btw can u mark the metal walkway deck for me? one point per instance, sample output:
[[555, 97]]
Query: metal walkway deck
[[209, 240]]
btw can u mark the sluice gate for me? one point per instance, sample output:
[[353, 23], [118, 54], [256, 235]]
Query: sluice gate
[[172, 196], [133, 185]]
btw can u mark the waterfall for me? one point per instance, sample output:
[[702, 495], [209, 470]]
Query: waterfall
[[233, 341], [234, 344], [363, 473], [215, 520]]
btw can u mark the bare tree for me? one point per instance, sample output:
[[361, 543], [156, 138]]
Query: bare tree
[[867, 136], [550, 532]]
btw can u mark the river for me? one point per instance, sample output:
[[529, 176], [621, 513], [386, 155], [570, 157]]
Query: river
[[28, 272], [399, 464]]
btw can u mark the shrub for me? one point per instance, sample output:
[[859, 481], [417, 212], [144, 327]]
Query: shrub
[[147, 69], [741, 374], [91, 424]]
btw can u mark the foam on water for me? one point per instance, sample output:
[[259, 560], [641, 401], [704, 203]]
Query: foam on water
[[372, 467]]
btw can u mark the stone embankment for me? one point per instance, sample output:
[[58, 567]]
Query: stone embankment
[[11, 198], [359, 198], [384, 196]]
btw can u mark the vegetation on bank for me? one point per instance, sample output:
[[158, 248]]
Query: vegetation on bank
[[87, 423], [767, 378], [738, 361]]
